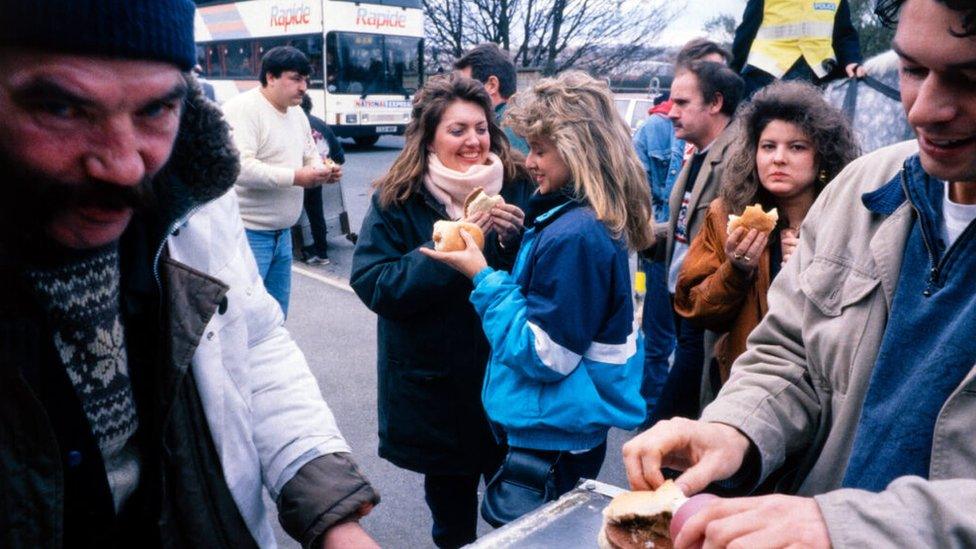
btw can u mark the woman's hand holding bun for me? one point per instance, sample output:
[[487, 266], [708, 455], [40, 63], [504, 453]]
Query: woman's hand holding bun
[[468, 260], [744, 248]]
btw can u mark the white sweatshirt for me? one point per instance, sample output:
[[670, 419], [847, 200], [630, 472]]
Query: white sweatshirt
[[272, 146]]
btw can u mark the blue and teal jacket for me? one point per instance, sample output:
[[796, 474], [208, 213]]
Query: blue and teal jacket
[[566, 360]]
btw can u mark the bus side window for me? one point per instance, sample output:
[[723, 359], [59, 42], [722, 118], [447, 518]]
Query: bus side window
[[238, 60]]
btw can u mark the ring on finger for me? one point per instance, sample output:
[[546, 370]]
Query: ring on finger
[[746, 258], [737, 256]]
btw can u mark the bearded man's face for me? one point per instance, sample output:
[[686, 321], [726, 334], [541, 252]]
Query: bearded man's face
[[81, 138]]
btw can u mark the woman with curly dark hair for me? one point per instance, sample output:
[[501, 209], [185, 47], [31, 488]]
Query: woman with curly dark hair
[[793, 143]]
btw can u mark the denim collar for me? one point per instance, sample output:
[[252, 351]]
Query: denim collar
[[924, 192]]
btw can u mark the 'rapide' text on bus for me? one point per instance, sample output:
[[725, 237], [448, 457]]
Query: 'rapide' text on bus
[[367, 57]]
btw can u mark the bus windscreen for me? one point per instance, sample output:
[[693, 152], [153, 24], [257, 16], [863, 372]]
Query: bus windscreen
[[365, 64]]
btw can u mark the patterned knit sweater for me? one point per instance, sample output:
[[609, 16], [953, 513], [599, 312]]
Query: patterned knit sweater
[[82, 302]]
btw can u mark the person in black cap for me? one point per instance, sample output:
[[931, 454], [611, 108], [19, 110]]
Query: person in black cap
[[149, 392]]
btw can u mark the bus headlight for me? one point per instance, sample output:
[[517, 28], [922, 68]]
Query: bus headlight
[[352, 119]]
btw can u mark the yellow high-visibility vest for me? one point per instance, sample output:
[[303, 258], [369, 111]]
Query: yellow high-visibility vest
[[792, 29]]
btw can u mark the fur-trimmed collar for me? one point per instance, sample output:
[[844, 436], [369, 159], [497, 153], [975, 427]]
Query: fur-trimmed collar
[[204, 163]]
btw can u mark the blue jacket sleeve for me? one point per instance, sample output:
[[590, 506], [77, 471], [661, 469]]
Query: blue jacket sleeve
[[543, 333]]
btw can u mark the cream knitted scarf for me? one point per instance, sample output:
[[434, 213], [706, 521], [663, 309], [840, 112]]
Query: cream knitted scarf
[[451, 187]]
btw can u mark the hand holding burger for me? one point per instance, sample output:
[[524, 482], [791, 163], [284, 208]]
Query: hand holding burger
[[505, 219], [336, 170], [748, 236], [765, 521], [468, 260]]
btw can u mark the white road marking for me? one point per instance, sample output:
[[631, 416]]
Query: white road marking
[[335, 282]]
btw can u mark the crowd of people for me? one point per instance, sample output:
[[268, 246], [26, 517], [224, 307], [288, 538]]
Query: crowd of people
[[819, 373]]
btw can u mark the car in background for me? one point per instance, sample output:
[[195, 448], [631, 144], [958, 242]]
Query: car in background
[[633, 108]]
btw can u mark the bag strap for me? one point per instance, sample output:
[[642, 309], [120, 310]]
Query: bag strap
[[882, 88]]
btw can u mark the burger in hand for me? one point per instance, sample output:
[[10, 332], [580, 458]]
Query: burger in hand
[[447, 235], [754, 218], [639, 520], [479, 201]]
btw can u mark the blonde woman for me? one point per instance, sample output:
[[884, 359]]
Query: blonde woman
[[566, 360], [431, 351]]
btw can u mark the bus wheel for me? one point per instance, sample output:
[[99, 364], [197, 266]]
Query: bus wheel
[[367, 141]]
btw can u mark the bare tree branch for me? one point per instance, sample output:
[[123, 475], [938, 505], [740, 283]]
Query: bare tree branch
[[599, 36]]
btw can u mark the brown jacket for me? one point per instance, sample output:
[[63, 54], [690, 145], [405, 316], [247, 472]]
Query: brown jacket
[[717, 296]]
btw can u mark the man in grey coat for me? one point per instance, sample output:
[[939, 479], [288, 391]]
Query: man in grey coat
[[856, 392]]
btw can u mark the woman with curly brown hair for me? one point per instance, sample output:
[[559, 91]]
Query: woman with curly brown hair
[[431, 349], [793, 143]]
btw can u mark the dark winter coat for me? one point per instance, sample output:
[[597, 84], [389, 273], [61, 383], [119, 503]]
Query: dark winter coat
[[431, 350], [53, 490]]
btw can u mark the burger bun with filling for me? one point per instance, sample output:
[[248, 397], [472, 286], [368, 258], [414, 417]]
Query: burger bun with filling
[[479, 201], [754, 218], [447, 235], [642, 519]]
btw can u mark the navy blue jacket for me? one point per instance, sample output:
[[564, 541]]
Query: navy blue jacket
[[567, 359]]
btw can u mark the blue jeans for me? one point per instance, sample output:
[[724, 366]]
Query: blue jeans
[[272, 251], [658, 327]]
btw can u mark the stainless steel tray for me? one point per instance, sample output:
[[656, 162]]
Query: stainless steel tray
[[573, 520]]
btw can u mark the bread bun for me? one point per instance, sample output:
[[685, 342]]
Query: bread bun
[[479, 201], [754, 218], [636, 520], [447, 236]]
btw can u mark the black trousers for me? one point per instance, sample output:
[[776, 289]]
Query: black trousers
[[316, 219], [681, 395], [453, 504]]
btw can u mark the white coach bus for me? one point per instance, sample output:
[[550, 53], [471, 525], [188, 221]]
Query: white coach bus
[[367, 57]]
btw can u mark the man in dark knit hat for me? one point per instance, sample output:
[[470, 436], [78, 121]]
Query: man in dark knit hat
[[149, 392]]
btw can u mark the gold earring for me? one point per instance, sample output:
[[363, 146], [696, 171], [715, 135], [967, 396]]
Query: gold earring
[[823, 177]]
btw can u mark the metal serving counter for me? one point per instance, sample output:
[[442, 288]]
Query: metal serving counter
[[571, 521]]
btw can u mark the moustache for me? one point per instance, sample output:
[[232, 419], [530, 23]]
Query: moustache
[[34, 199], [61, 197]]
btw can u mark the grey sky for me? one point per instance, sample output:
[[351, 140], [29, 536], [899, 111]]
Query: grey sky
[[689, 24]]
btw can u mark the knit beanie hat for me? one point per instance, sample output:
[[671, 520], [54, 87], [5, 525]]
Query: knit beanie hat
[[160, 30]]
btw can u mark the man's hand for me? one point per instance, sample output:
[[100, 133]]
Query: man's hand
[[309, 177], [855, 70], [347, 535], [335, 175], [706, 452], [469, 261], [767, 521]]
